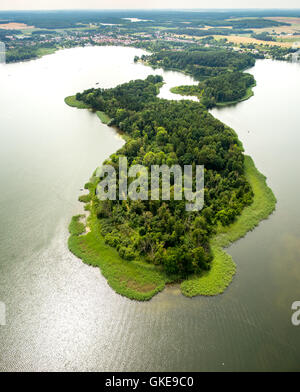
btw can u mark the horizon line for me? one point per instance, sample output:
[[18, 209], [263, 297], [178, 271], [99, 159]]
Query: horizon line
[[153, 9]]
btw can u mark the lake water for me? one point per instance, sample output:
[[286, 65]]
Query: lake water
[[61, 314]]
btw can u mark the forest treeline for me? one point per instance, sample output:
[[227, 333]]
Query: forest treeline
[[167, 132], [196, 32], [72, 18], [201, 62], [27, 53]]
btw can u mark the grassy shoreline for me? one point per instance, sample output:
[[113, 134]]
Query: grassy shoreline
[[135, 280], [180, 91], [74, 103], [104, 118], [223, 267]]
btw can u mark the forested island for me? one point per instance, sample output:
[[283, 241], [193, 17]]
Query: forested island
[[221, 80], [140, 246]]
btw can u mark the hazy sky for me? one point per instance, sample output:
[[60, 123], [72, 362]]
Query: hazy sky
[[142, 4]]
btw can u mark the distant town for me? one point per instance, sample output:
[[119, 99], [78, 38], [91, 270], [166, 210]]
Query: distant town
[[276, 38]]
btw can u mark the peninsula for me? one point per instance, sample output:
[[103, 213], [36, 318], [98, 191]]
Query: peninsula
[[140, 246]]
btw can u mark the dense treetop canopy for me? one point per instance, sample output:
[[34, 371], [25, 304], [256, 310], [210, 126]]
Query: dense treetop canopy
[[169, 132]]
